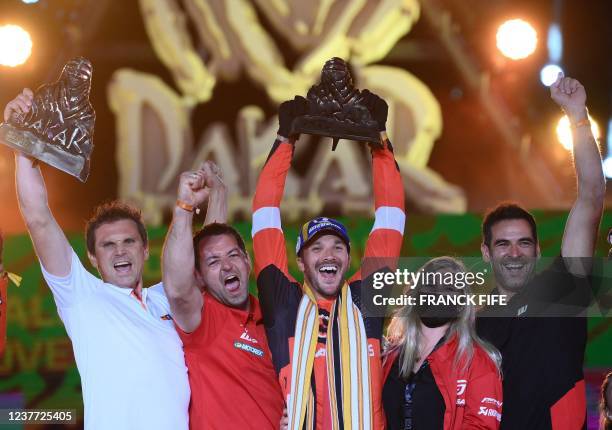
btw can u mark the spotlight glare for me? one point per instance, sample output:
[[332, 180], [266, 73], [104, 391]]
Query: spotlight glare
[[516, 39], [15, 45], [549, 73], [555, 43], [564, 131], [607, 167]]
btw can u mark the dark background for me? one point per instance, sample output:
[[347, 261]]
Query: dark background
[[470, 152]]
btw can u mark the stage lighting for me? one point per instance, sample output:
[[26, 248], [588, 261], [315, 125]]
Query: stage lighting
[[607, 167], [555, 43], [15, 45], [516, 39], [549, 73], [30, 1], [564, 131]]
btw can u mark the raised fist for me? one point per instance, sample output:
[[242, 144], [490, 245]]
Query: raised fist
[[191, 188], [195, 186], [569, 94], [378, 108], [288, 111]]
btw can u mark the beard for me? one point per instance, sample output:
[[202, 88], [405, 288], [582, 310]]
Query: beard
[[325, 290], [512, 274]]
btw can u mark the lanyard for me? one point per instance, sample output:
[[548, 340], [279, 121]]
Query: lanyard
[[408, 397]]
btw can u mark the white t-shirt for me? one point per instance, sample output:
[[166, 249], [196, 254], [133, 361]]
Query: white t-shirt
[[130, 358]]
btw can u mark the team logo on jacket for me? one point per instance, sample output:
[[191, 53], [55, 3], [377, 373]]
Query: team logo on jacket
[[461, 386], [491, 401], [492, 408], [249, 348], [245, 336], [489, 412]]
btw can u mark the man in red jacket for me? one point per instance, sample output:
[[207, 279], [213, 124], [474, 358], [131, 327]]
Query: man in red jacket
[[232, 380]]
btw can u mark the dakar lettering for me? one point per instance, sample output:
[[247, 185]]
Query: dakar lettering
[[153, 120], [49, 355], [33, 313]]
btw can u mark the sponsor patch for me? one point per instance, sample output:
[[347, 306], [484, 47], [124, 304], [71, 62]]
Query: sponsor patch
[[321, 352], [249, 348], [461, 385], [491, 401], [245, 336], [489, 412]]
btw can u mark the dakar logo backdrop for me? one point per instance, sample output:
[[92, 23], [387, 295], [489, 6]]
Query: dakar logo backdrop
[[154, 121]]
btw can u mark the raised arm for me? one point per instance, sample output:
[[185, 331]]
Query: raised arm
[[178, 264], [268, 238], [387, 234], [49, 241], [385, 240], [580, 236]]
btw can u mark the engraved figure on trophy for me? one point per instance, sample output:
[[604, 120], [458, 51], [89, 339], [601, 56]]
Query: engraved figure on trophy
[[337, 109], [58, 129]]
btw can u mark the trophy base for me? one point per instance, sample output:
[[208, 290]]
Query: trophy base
[[31, 145], [328, 127]]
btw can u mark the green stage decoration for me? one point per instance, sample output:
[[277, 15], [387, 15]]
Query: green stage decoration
[[37, 369]]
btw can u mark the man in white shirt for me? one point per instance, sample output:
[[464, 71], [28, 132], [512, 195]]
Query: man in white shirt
[[129, 356]]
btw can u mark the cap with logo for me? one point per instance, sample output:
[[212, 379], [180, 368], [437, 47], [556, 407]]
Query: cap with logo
[[318, 225]]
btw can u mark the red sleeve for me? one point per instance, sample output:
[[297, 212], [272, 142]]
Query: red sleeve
[[385, 240], [483, 402], [268, 238], [211, 322]]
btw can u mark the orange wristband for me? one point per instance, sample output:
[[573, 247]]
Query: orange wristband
[[187, 207], [582, 123]]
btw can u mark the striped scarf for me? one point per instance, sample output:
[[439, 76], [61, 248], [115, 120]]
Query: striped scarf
[[348, 368]]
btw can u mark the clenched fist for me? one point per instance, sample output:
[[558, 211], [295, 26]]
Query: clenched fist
[[195, 186], [570, 95]]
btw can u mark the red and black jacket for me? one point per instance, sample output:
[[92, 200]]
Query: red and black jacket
[[472, 397], [280, 293]]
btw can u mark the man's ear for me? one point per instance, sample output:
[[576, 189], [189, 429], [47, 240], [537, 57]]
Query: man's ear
[[538, 253], [300, 264], [199, 279], [146, 252], [93, 260], [486, 255], [248, 257]]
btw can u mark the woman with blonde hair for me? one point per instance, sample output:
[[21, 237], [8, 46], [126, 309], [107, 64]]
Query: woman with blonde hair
[[438, 374]]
